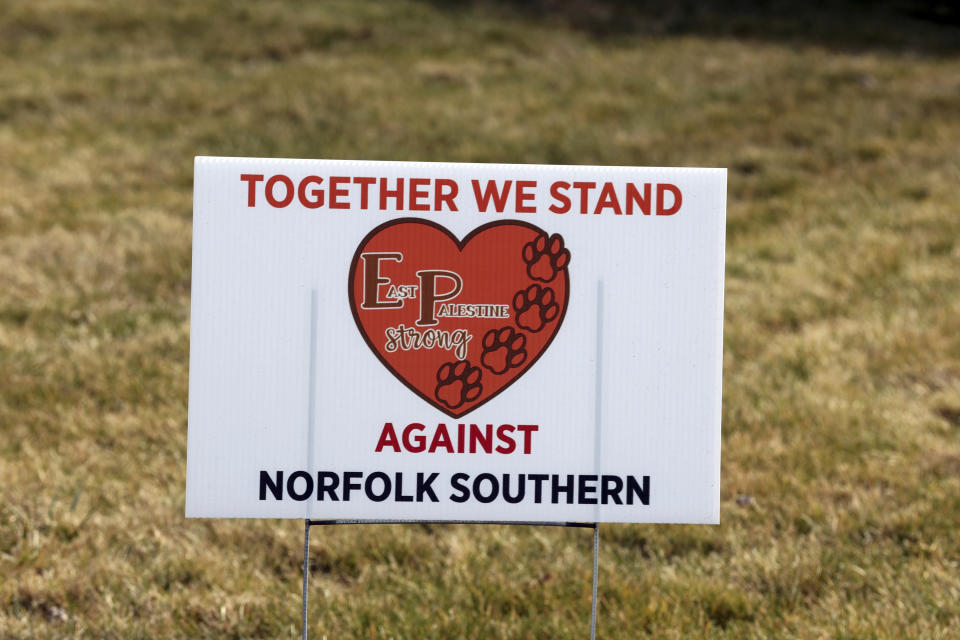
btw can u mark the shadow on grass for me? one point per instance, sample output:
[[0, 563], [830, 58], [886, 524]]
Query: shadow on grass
[[927, 27]]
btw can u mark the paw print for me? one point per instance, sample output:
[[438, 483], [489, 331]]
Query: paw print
[[535, 307], [458, 383], [545, 257], [503, 349]]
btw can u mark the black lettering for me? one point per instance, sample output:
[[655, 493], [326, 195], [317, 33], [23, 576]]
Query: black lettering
[[633, 487], [557, 488], [494, 488], [456, 481], [521, 488], [538, 480], [398, 495], [610, 488], [276, 487], [368, 486], [292, 485], [583, 490], [348, 483], [424, 487], [323, 479]]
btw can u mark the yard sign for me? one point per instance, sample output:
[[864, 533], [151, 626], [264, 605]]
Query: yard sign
[[398, 340]]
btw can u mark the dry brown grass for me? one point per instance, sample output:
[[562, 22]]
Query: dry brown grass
[[841, 463]]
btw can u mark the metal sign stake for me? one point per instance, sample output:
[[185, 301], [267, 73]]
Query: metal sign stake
[[306, 577], [596, 576], [307, 523]]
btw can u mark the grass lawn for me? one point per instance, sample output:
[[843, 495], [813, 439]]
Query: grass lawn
[[841, 413]]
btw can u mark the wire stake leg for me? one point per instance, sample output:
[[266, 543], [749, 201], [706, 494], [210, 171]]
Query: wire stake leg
[[596, 575], [306, 555], [306, 577]]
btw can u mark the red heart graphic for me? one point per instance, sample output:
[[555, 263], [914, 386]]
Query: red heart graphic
[[458, 321]]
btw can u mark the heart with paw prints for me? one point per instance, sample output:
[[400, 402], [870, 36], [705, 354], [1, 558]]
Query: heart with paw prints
[[458, 321]]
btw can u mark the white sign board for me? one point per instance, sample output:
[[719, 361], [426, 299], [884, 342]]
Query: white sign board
[[455, 341]]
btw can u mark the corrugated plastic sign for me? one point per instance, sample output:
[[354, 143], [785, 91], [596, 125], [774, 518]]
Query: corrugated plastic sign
[[455, 341]]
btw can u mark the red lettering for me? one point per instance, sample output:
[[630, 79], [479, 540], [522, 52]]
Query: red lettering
[[441, 439], [527, 431], [364, 190], [419, 442], [503, 434], [524, 195], [634, 197], [287, 197], [585, 188], [499, 197], [677, 199], [608, 198], [336, 192], [251, 179], [485, 438], [504, 439], [396, 194], [560, 197], [317, 194], [441, 197], [388, 438], [418, 193]]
